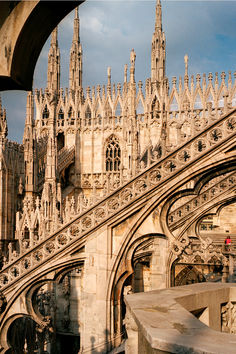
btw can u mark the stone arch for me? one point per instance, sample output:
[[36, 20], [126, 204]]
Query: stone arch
[[122, 267], [25, 19], [23, 298], [202, 177]]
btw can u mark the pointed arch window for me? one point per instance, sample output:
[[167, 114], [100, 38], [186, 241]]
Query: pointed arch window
[[113, 154], [174, 105], [118, 110], [221, 101], [211, 100], [70, 112], [108, 110], [140, 111], [118, 113], [45, 112], [60, 114], [198, 102], [88, 116], [98, 115]]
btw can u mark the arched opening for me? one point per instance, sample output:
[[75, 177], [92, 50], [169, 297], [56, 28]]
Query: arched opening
[[60, 114], [26, 233], [45, 112], [60, 141], [22, 336]]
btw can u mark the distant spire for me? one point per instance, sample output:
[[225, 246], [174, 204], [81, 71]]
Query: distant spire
[[29, 149], [53, 79], [29, 109], [76, 36], [158, 56], [75, 74], [54, 39]]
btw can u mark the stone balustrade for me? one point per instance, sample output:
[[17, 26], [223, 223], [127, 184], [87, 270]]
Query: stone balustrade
[[198, 318]]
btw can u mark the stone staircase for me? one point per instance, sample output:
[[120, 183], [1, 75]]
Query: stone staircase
[[219, 136], [65, 158]]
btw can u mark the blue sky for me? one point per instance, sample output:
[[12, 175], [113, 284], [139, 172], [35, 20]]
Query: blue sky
[[205, 30]]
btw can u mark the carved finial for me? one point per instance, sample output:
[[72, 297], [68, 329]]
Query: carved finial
[[198, 78], [186, 64], [210, 76], [223, 76], [140, 85], [88, 91], [98, 90], [119, 87]]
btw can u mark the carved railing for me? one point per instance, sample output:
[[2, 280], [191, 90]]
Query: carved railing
[[65, 158], [176, 217], [145, 182]]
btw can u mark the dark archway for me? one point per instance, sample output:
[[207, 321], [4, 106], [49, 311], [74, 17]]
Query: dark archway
[[31, 22]]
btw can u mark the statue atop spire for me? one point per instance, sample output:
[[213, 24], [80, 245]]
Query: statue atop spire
[[158, 56], [53, 80], [75, 75]]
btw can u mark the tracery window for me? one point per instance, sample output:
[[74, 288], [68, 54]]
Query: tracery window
[[61, 114], [88, 116], [113, 154]]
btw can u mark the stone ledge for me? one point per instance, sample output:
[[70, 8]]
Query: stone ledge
[[164, 323]]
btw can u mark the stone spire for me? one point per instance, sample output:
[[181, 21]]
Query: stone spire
[[51, 194], [3, 121], [54, 71], [75, 75], [158, 56], [28, 142]]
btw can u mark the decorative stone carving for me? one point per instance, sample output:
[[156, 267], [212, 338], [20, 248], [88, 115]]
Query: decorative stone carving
[[228, 317]]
